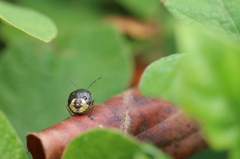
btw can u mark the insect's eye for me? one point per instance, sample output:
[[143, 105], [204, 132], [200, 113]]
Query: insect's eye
[[84, 97]]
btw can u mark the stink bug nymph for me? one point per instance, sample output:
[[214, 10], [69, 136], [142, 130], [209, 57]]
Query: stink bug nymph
[[80, 100]]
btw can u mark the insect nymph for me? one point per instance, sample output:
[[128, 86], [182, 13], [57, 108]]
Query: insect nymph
[[80, 100]]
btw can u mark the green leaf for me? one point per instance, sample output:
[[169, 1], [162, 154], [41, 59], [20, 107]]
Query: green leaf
[[107, 143], [159, 73], [10, 145], [208, 85], [28, 21], [34, 90], [222, 15]]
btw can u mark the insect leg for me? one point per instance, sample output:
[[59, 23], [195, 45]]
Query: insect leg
[[90, 111]]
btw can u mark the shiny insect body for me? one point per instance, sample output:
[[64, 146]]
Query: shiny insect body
[[80, 100]]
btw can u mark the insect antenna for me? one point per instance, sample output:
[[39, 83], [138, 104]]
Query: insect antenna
[[72, 82], [93, 82]]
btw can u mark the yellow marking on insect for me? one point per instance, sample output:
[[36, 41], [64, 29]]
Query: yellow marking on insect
[[71, 105], [82, 109]]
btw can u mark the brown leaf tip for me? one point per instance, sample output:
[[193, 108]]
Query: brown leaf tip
[[35, 147]]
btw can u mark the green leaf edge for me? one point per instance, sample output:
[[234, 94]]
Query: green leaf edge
[[2, 116], [15, 26], [175, 61], [143, 147]]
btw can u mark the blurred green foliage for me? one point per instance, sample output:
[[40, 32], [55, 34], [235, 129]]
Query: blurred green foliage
[[209, 154], [205, 80]]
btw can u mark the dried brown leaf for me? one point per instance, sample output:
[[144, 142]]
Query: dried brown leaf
[[148, 119]]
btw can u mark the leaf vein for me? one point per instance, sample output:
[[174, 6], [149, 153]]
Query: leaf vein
[[229, 16]]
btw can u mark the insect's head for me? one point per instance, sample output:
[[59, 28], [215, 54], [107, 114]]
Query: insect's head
[[80, 100]]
